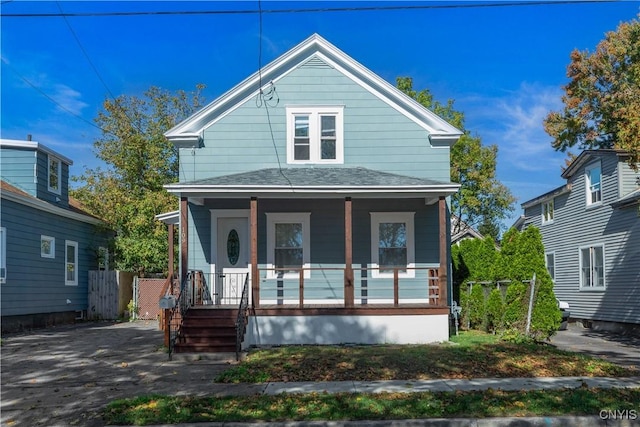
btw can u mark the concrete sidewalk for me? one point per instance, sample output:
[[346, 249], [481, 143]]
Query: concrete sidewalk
[[64, 376]]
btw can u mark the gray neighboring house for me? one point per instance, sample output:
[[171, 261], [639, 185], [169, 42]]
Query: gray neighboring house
[[591, 233], [47, 242]]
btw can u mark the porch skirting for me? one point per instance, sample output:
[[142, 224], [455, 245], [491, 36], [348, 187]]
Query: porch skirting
[[278, 329]]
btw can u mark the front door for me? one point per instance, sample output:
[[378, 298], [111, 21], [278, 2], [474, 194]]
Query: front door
[[232, 264]]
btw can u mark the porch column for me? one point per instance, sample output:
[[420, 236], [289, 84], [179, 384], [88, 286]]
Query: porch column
[[444, 264], [171, 250], [184, 238], [253, 232], [348, 254]]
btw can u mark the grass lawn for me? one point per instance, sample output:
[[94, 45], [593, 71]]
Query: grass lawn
[[470, 355]]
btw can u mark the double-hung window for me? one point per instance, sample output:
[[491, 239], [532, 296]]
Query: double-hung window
[[547, 211], [288, 245], [392, 244], [71, 263], [47, 247], [593, 180], [3, 255], [550, 262], [54, 172], [103, 258], [315, 134], [592, 267]]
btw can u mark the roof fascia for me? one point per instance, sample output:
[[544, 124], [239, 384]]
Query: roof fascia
[[34, 145], [46, 207], [547, 196]]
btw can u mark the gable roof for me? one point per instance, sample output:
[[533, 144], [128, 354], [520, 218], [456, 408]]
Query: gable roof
[[276, 182], [587, 155], [189, 131], [34, 145]]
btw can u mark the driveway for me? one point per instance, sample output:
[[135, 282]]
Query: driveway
[[617, 348], [63, 376]]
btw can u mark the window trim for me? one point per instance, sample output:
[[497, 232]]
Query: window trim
[[546, 264], [52, 242], [58, 173], [67, 244], [546, 218], [3, 254], [588, 287], [315, 112], [409, 219], [587, 183], [103, 264], [274, 218]]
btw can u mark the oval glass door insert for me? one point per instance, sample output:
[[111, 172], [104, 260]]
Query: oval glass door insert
[[233, 247]]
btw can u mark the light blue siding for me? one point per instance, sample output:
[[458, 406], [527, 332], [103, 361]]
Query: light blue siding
[[327, 244], [576, 225], [17, 167], [35, 284], [376, 136], [43, 193]]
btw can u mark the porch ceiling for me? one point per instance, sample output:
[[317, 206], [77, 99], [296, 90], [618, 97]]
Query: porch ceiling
[[321, 182]]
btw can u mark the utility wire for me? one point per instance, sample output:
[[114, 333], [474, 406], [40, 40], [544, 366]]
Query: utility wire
[[27, 81], [309, 10]]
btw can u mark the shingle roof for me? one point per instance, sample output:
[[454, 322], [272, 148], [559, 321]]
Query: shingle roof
[[316, 177]]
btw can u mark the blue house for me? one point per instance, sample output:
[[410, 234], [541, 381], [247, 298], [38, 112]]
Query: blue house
[[591, 233], [47, 242], [322, 189]]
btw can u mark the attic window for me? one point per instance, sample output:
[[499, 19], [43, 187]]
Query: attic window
[[315, 135], [54, 174]]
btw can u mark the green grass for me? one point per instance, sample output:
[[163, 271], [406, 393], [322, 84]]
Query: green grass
[[470, 355], [383, 406]]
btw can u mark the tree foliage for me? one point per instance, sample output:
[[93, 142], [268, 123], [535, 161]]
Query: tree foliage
[[602, 99], [482, 201], [139, 160]]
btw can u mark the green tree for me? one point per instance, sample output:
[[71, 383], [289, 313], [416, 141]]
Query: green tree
[[483, 201], [139, 160], [602, 98]]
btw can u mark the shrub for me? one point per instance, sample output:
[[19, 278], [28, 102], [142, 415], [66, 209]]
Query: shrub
[[464, 303], [476, 307], [494, 311], [546, 316], [515, 310]]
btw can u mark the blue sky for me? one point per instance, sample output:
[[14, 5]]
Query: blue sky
[[504, 66]]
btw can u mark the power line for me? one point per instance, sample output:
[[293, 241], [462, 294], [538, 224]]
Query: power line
[[305, 10], [27, 81]]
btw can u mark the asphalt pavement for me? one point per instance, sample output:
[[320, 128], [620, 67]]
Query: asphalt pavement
[[64, 376]]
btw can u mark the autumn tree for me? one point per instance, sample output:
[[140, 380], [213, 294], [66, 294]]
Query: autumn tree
[[482, 201], [139, 160], [602, 98]]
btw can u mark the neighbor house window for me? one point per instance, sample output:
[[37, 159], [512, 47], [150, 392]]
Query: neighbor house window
[[315, 135], [547, 211], [550, 262], [47, 247], [103, 258], [54, 174], [592, 267], [593, 178], [392, 244], [3, 255], [288, 245], [71, 263]]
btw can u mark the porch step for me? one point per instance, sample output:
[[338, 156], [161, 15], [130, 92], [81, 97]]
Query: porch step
[[208, 330]]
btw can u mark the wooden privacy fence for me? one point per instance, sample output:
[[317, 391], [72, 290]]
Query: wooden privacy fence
[[109, 293]]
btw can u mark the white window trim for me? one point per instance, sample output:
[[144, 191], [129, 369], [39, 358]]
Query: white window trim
[[105, 261], [546, 264], [274, 218], [545, 204], [73, 282], [407, 218], [58, 173], [314, 133], [52, 244], [3, 253], [587, 184], [587, 287]]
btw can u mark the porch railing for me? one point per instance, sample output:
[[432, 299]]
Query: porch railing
[[190, 293], [241, 320], [391, 287]]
